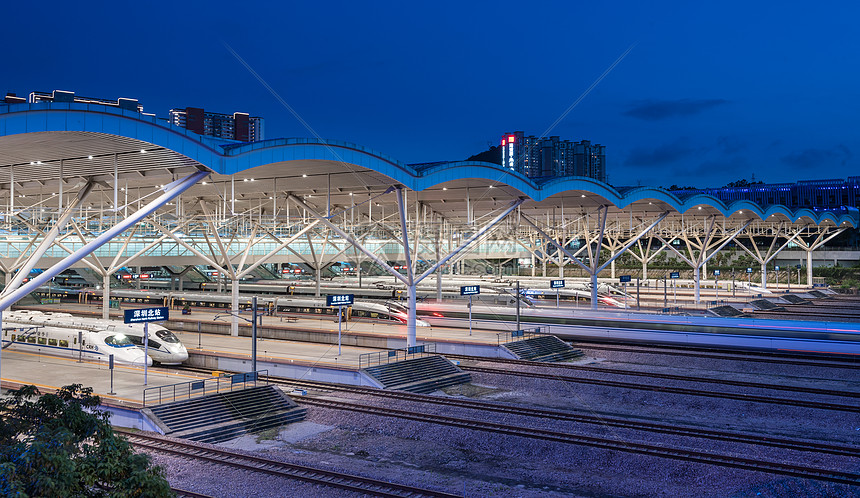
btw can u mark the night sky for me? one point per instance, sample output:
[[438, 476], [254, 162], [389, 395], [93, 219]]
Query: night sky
[[707, 95]]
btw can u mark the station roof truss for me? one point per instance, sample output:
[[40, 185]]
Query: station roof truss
[[260, 194]]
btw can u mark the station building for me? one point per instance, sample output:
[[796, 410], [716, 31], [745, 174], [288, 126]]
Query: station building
[[103, 187]]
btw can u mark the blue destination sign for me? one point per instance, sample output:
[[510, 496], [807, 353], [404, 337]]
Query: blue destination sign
[[749, 270], [776, 268], [146, 315], [470, 290], [339, 299], [556, 284], [675, 274], [716, 273], [624, 278]]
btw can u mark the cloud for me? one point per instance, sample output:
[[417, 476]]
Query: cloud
[[655, 110], [663, 154], [710, 171], [816, 158], [731, 145]]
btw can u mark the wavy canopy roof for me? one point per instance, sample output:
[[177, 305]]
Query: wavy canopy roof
[[38, 142]]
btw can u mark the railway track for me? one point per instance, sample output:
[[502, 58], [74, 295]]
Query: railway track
[[684, 378], [312, 475], [722, 354], [729, 436], [787, 443], [671, 390], [810, 315], [181, 493], [734, 461]]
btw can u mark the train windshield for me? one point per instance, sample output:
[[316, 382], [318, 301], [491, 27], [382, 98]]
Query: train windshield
[[393, 306], [167, 336], [118, 341]]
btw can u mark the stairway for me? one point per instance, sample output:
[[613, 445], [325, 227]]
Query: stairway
[[543, 348], [419, 375], [219, 417]]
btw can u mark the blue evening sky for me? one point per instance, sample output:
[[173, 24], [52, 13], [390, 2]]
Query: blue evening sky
[[710, 93]]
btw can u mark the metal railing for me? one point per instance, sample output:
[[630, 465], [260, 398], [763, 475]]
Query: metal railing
[[520, 335], [382, 357], [202, 387]]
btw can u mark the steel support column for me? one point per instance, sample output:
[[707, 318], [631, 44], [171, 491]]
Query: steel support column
[[24, 271], [170, 192]]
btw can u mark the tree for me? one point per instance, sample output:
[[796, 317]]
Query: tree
[[742, 183], [62, 445], [493, 155]]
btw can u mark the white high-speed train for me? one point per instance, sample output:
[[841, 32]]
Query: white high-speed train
[[22, 334], [164, 347]]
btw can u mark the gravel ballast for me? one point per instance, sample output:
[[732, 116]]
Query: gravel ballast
[[476, 463]]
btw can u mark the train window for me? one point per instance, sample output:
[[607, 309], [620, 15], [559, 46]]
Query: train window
[[166, 336], [119, 341], [136, 340], [154, 344], [52, 342], [31, 339], [64, 343], [42, 341]]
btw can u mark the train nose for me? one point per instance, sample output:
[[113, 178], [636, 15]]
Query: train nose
[[138, 360]]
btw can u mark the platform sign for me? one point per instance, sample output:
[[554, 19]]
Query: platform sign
[[556, 284], [624, 279], [799, 266], [470, 290], [675, 274], [749, 270], [776, 268], [339, 299], [716, 273], [146, 315]]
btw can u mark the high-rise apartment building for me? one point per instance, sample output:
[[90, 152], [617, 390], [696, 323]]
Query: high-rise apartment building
[[537, 157], [238, 126]]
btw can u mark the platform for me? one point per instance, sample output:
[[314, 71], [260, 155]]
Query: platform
[[364, 334], [49, 373], [279, 351]]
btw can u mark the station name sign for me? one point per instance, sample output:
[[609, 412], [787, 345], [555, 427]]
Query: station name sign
[[749, 270], [624, 278], [675, 274], [470, 290], [339, 299], [556, 284], [716, 273], [146, 315]]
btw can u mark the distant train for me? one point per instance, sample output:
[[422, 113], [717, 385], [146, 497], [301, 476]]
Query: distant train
[[301, 306], [372, 288], [55, 334]]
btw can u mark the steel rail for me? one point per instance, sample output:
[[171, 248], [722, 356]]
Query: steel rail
[[655, 375], [808, 472], [671, 390], [312, 475]]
